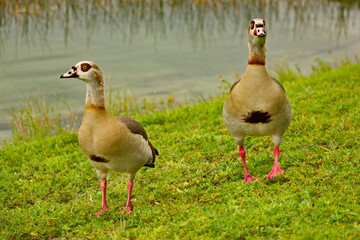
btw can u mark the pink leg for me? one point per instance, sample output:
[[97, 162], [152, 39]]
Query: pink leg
[[247, 176], [276, 168], [129, 188], [105, 207]]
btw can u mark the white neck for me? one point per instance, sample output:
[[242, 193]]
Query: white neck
[[95, 94]]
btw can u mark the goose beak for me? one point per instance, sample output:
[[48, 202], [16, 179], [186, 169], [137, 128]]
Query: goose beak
[[72, 73], [263, 34], [260, 32]]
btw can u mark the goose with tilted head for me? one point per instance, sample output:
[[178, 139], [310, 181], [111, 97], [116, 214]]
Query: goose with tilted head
[[257, 104], [110, 142]]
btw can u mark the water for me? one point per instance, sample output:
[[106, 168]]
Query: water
[[157, 48]]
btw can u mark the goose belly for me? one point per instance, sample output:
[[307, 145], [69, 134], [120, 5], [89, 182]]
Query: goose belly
[[130, 158], [119, 151], [257, 123]]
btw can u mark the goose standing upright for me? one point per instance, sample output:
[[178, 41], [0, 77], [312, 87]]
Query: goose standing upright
[[109, 142], [257, 104]]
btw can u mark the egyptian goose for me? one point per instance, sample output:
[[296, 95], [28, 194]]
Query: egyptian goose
[[257, 104], [109, 142]]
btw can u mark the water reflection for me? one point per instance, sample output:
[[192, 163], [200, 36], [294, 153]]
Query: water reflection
[[197, 20]]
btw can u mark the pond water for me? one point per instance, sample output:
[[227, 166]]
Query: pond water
[[156, 48]]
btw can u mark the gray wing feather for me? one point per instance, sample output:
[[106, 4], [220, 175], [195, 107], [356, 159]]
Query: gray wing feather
[[133, 126], [136, 128]]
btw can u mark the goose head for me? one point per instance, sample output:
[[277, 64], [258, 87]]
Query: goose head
[[257, 32], [86, 71]]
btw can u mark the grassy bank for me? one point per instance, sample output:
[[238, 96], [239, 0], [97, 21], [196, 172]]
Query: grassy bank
[[49, 190]]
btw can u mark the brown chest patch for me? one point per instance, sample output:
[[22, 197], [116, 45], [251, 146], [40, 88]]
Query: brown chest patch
[[91, 106], [98, 159], [255, 117], [256, 60]]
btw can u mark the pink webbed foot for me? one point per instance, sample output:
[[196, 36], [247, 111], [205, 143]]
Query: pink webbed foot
[[127, 207], [100, 213], [276, 170], [126, 210], [249, 178], [105, 207]]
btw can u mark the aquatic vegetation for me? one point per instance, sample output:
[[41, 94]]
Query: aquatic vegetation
[[160, 17]]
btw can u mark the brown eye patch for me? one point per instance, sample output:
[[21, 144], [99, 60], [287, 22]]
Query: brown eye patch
[[85, 67], [252, 24]]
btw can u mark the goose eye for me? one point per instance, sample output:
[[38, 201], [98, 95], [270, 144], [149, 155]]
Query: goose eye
[[85, 67]]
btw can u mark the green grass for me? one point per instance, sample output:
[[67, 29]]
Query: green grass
[[49, 190]]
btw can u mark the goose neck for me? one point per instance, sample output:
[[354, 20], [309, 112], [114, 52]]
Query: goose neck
[[257, 55], [95, 97]]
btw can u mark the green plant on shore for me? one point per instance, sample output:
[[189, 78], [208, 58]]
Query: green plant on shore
[[130, 105], [35, 118]]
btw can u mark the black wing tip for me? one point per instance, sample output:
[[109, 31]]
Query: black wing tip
[[278, 83], [150, 165], [234, 84]]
